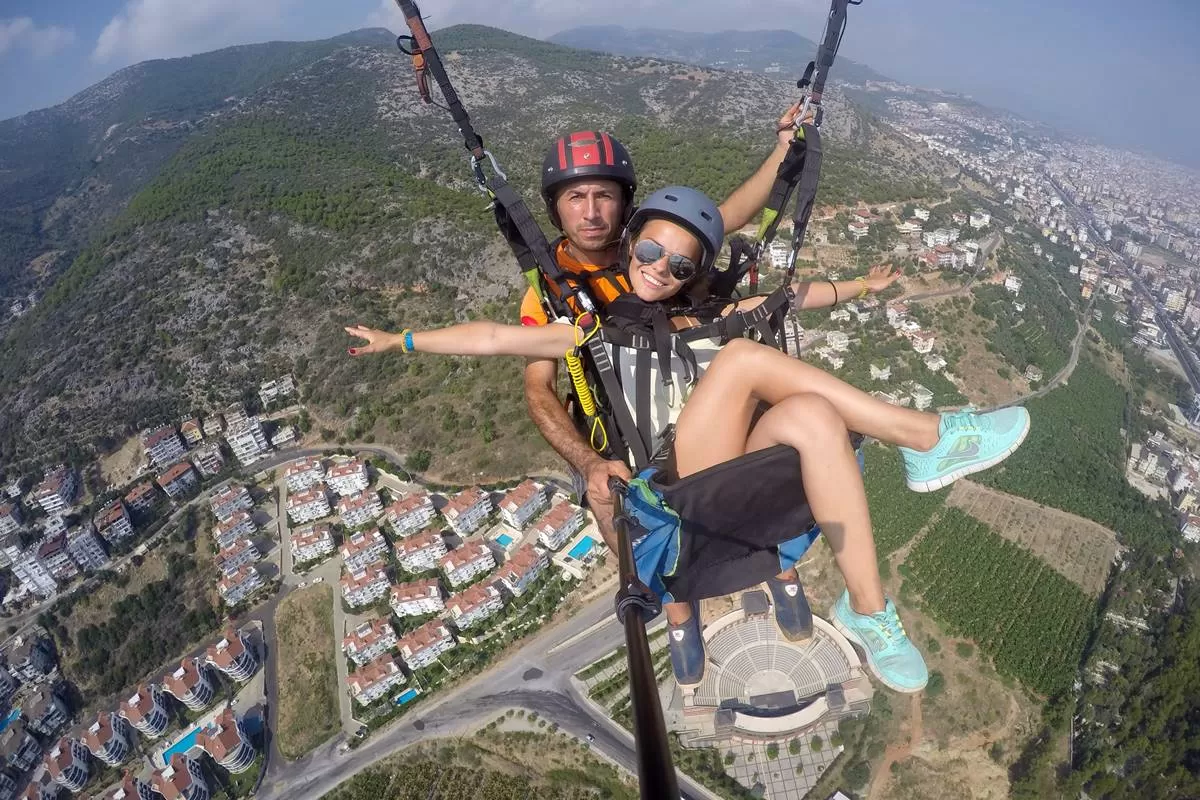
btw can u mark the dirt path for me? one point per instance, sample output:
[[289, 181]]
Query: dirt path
[[899, 752]]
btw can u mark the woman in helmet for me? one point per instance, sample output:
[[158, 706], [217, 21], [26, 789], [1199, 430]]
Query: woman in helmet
[[670, 244]]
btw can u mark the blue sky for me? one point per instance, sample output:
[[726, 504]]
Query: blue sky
[[1123, 72]]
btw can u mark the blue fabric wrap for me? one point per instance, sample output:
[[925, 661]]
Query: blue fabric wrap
[[656, 542]]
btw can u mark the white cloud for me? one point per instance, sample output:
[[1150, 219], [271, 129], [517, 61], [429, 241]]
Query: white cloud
[[167, 28], [42, 41]]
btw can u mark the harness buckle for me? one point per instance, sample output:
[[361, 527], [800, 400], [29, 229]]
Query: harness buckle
[[480, 176]]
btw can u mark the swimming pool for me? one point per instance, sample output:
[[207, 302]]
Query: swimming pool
[[182, 746], [9, 720], [582, 548], [504, 540], [406, 696]]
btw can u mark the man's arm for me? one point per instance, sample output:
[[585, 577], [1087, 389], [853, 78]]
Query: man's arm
[[556, 426], [749, 198]]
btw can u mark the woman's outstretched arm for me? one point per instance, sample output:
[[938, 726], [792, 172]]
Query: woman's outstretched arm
[[471, 339], [823, 294]]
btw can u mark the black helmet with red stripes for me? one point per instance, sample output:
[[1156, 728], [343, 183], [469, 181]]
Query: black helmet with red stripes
[[586, 154]]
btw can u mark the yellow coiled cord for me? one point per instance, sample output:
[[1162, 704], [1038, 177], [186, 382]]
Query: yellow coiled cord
[[587, 402]]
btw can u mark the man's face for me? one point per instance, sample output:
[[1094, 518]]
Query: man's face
[[591, 212]]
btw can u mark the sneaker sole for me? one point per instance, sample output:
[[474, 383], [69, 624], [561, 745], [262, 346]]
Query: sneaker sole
[[933, 484], [860, 645]]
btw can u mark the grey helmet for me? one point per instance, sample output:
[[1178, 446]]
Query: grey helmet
[[689, 208]]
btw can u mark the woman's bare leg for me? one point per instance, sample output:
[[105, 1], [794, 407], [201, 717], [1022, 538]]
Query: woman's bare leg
[[715, 427], [770, 376]]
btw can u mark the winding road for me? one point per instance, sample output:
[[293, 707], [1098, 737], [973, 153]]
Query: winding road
[[537, 677]]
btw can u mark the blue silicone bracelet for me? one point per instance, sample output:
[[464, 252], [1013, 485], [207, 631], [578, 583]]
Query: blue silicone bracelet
[[408, 342]]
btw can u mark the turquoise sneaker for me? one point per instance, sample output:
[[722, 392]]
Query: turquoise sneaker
[[969, 442], [890, 655]]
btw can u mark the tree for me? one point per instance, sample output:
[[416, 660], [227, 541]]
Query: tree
[[857, 774], [816, 744], [418, 461], [936, 685]]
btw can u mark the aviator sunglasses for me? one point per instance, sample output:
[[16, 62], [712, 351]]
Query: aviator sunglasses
[[647, 251]]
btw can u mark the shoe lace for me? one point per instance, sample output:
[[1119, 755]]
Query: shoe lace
[[966, 421], [891, 626]]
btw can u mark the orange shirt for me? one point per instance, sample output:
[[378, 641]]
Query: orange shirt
[[604, 287]]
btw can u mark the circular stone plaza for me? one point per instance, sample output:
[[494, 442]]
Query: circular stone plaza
[[760, 690]]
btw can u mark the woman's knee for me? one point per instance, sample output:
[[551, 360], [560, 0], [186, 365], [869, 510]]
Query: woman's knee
[[810, 417], [735, 356]]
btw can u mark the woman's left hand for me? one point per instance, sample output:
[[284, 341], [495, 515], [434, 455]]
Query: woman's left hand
[[377, 341], [881, 276]]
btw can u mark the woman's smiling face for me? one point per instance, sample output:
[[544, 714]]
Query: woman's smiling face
[[653, 281]]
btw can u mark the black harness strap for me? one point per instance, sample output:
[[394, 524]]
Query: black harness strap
[[806, 193]]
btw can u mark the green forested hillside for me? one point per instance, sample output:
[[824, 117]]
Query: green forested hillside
[[313, 189]]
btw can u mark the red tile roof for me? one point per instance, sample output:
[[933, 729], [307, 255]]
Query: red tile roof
[[408, 504], [421, 541], [417, 590], [222, 737], [173, 473], [468, 553], [520, 495], [368, 633], [464, 500], [428, 634], [233, 649]]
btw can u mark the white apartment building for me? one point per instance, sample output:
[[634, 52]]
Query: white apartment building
[[360, 509], [467, 510], [236, 588], [32, 573], [237, 555], [375, 680], [369, 641], [417, 598], [421, 552], [178, 480], [522, 569], [209, 459], [421, 647], [348, 478], [304, 473], [163, 446], [362, 548], [85, 548], [410, 514], [308, 505], [57, 490], [473, 605], [524, 502], [239, 526], [311, 542], [228, 500], [247, 441], [467, 562], [365, 586], [559, 524]]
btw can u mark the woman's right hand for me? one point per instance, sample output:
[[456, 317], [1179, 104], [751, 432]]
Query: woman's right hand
[[377, 341]]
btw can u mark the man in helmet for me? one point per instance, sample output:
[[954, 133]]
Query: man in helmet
[[588, 184]]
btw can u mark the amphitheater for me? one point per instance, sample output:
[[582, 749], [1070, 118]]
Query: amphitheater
[[759, 687]]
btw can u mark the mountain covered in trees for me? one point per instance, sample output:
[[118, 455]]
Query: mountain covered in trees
[[780, 51], [193, 226]]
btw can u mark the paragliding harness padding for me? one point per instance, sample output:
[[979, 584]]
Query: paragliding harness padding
[[738, 524]]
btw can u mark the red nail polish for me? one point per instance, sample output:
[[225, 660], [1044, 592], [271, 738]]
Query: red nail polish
[[353, 352]]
